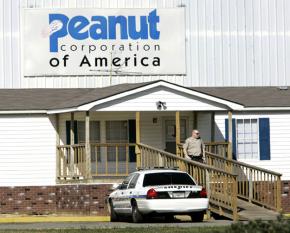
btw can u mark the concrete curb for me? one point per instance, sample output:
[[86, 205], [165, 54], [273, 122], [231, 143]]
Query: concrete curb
[[33, 219]]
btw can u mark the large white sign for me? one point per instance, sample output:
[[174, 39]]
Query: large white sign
[[103, 41]]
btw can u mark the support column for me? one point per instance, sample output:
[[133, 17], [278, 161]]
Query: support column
[[58, 162], [88, 173], [180, 163], [278, 205], [230, 133], [138, 140], [177, 132], [72, 142]]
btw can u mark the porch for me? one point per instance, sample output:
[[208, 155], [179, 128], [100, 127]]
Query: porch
[[98, 146], [229, 183]]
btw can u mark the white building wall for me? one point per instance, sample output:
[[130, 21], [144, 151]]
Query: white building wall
[[279, 139], [228, 43], [146, 101], [28, 150]]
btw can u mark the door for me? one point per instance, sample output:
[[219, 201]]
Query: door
[[170, 134], [120, 200]]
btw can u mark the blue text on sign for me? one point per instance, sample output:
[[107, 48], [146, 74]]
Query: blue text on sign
[[102, 28]]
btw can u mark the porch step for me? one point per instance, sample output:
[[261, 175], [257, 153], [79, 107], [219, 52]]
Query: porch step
[[250, 211]]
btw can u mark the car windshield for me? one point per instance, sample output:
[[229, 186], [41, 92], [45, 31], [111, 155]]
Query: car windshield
[[167, 178]]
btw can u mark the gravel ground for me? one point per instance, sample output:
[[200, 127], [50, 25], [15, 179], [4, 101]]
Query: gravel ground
[[94, 225]]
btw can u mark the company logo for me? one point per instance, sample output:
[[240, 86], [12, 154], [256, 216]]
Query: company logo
[[103, 28]]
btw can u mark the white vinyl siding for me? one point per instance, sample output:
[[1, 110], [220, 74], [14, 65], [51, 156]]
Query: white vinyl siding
[[146, 101], [28, 150], [279, 139]]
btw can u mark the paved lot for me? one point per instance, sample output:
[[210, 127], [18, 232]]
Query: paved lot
[[92, 225]]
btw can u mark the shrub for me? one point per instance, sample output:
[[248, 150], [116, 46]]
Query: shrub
[[280, 225]]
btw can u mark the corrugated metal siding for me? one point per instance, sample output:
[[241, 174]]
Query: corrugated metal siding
[[229, 43], [27, 155], [279, 136]]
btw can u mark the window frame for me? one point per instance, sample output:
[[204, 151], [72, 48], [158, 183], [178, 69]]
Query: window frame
[[246, 155]]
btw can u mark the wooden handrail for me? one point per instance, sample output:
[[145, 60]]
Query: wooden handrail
[[215, 143], [219, 148], [111, 159], [173, 156], [112, 144], [255, 184], [221, 185], [244, 164]]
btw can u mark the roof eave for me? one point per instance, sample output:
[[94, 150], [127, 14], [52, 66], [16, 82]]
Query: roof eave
[[5, 112]]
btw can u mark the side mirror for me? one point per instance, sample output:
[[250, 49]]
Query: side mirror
[[122, 186]]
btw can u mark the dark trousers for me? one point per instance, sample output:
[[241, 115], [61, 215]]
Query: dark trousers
[[196, 158]]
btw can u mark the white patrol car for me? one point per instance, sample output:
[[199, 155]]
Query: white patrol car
[[158, 191]]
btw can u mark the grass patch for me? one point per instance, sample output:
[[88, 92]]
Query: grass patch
[[128, 230]]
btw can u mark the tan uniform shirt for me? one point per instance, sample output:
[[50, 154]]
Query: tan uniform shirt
[[193, 146]]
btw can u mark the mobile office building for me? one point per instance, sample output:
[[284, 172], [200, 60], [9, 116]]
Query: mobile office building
[[83, 82]]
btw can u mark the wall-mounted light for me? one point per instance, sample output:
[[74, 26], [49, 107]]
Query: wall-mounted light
[[161, 105]]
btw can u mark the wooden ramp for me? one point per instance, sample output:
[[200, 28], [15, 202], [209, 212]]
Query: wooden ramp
[[250, 211]]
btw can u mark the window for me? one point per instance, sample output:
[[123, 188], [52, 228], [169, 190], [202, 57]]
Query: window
[[134, 181], [125, 183], [94, 131], [170, 129], [247, 139], [117, 132], [167, 178], [80, 134]]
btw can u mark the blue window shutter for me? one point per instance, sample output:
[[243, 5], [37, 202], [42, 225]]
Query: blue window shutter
[[264, 138], [67, 125], [227, 130], [234, 143]]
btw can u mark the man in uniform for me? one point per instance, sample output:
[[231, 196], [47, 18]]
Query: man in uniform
[[193, 147]]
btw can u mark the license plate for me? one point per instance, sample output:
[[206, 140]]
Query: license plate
[[178, 195]]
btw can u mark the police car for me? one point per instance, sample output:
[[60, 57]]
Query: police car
[[164, 192]]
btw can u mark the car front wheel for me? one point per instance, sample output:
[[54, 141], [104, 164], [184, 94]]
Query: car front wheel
[[113, 214], [197, 216], [136, 215]]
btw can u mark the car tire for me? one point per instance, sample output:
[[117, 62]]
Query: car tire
[[137, 217], [169, 218], [113, 214], [197, 216]]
